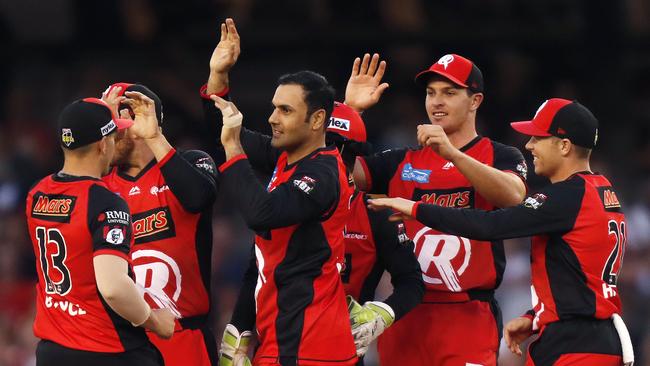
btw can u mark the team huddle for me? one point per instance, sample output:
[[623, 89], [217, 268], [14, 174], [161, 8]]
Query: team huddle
[[123, 232]]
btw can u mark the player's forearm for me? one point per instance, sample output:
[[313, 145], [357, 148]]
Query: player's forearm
[[118, 289], [159, 146], [217, 82], [497, 187]]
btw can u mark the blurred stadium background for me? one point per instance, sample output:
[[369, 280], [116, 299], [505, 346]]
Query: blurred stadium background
[[59, 50]]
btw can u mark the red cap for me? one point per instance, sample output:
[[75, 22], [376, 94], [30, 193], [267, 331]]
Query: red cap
[[457, 69], [121, 123], [142, 89], [346, 122], [564, 119]]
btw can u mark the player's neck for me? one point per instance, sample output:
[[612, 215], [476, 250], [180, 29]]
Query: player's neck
[[463, 136], [570, 168], [305, 149], [82, 167], [139, 158]]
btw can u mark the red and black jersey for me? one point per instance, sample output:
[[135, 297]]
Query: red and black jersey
[[301, 313], [171, 202], [70, 220], [577, 248], [373, 245], [454, 268]]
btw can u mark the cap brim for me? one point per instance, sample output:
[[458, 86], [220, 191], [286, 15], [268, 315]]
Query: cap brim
[[528, 128], [421, 76], [123, 123]]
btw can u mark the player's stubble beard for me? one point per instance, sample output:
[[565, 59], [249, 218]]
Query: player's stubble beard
[[123, 148]]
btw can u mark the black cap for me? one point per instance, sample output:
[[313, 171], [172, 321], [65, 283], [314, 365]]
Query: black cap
[[87, 120], [141, 89], [564, 119]]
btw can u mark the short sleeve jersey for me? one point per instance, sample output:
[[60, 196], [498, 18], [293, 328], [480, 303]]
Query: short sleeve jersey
[[71, 220], [454, 268]]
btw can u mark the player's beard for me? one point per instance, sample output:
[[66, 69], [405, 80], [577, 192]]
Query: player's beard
[[123, 149]]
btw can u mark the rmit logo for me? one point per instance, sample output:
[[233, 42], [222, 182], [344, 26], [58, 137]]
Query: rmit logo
[[339, 124], [153, 225]]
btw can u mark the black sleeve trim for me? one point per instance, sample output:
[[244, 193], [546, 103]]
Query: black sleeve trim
[[192, 178], [382, 167], [243, 317], [109, 220], [509, 158], [395, 251], [287, 204]]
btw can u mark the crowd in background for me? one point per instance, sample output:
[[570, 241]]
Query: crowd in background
[[59, 50]]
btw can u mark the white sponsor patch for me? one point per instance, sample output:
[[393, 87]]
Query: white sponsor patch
[[155, 190], [134, 190], [115, 236], [535, 201], [108, 128], [305, 184], [339, 124]]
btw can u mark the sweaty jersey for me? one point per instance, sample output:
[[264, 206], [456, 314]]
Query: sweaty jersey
[[454, 268], [171, 202], [71, 220], [577, 248], [372, 245], [301, 313]]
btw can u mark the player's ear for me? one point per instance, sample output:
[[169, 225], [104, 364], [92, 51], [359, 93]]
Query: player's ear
[[317, 120], [566, 146], [477, 99], [102, 146]]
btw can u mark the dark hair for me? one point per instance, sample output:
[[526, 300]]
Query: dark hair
[[319, 94], [582, 152]]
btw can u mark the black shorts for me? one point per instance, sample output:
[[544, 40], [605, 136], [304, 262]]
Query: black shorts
[[53, 354], [586, 337]]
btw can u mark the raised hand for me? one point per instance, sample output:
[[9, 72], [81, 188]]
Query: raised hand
[[435, 137], [402, 206], [516, 331], [227, 51], [364, 86], [144, 109], [112, 97]]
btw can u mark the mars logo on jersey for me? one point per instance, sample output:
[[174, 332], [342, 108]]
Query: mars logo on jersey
[[153, 225], [610, 200], [158, 278], [57, 208], [443, 258], [459, 198]]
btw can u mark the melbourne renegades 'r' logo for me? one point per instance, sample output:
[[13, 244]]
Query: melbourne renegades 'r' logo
[[158, 277], [443, 258]]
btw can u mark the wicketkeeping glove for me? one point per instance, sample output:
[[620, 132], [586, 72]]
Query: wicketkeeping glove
[[368, 322], [234, 347]]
